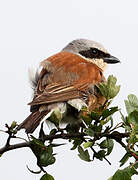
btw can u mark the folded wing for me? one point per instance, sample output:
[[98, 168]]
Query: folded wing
[[65, 76]]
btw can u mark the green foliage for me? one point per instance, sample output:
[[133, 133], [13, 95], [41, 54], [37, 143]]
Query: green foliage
[[131, 127], [95, 135], [124, 174], [98, 125], [47, 177], [88, 144], [110, 145], [12, 127], [131, 103], [100, 154], [44, 154], [108, 112], [109, 89], [77, 142], [46, 157], [124, 159], [83, 154], [89, 131], [133, 117], [107, 144]]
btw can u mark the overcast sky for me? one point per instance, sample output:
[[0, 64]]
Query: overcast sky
[[30, 31]]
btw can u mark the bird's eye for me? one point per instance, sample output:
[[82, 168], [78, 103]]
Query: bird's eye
[[94, 51]]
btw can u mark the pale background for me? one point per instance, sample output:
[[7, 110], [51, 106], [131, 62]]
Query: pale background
[[30, 31]]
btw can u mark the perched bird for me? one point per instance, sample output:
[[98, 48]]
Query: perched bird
[[67, 80]]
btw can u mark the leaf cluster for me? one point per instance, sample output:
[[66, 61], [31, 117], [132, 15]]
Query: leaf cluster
[[93, 137]]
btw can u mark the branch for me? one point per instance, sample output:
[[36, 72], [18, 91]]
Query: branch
[[46, 138], [115, 135], [15, 146], [64, 136]]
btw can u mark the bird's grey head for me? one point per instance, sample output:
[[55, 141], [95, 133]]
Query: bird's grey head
[[90, 50]]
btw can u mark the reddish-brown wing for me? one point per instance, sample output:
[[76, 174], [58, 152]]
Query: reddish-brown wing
[[65, 76]]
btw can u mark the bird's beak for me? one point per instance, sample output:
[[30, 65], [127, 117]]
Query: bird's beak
[[111, 60]]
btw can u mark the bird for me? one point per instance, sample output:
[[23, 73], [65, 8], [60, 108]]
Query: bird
[[68, 81]]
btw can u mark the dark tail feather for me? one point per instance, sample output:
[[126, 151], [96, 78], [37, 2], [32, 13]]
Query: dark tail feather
[[32, 121]]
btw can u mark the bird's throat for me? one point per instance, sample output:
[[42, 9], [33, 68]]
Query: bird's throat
[[100, 63]]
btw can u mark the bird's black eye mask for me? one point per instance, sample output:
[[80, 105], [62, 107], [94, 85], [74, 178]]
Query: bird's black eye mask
[[94, 53]]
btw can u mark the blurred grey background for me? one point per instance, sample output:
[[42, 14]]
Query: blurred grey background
[[32, 30]]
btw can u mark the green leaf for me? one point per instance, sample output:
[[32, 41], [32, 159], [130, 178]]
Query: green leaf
[[94, 116], [124, 159], [133, 100], [103, 122], [46, 157], [47, 177], [103, 144], [84, 155], [87, 144], [109, 89], [132, 103], [107, 144], [44, 154], [133, 117], [129, 108], [87, 119], [124, 174], [37, 146], [100, 154], [107, 115], [13, 125], [97, 128], [113, 89], [103, 89], [36, 141], [109, 112], [110, 145], [77, 142], [121, 175], [133, 136], [89, 132]]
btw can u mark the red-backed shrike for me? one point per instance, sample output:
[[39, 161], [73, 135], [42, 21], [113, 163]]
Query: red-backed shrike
[[68, 79]]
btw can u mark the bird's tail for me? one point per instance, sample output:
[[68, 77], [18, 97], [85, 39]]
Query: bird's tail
[[32, 121]]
